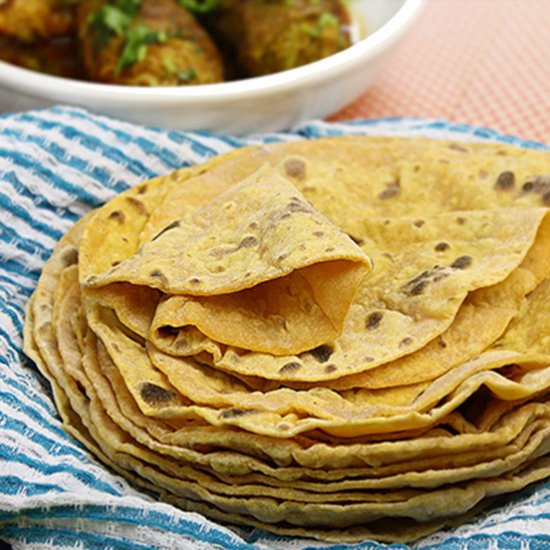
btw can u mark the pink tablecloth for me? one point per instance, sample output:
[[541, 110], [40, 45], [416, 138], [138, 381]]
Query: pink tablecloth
[[483, 62]]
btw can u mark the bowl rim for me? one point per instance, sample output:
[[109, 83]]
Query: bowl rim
[[43, 85]]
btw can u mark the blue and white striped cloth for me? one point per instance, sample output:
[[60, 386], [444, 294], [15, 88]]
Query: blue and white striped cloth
[[55, 165]]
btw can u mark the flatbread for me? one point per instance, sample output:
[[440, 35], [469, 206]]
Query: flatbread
[[411, 395], [266, 272]]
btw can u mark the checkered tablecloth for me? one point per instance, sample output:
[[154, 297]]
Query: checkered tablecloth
[[482, 62]]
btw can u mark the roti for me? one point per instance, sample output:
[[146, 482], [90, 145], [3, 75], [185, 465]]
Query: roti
[[319, 339]]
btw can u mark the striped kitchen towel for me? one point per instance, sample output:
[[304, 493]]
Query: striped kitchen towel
[[55, 165]]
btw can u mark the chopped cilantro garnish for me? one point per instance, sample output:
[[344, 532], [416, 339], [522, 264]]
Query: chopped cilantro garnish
[[117, 19], [169, 65], [183, 75], [310, 30], [187, 75], [135, 46], [113, 19], [326, 19], [129, 6], [200, 6]]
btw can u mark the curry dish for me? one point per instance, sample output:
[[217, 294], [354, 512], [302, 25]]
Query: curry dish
[[170, 42]]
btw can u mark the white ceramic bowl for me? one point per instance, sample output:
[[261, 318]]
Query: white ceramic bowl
[[274, 102]]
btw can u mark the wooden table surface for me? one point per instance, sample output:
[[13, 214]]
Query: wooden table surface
[[481, 62]]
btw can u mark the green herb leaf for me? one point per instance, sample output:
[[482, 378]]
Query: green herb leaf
[[135, 46], [169, 65], [112, 19], [115, 20], [200, 6], [326, 19], [187, 75], [311, 30], [130, 7], [183, 75]]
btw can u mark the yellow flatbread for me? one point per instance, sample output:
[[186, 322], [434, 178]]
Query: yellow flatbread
[[338, 339]]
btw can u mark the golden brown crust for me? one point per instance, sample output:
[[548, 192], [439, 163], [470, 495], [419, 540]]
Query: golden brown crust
[[184, 55], [30, 20], [268, 37]]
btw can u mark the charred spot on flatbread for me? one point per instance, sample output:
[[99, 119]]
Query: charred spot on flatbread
[[156, 395]]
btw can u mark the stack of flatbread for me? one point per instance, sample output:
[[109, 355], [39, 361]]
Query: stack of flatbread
[[343, 339]]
